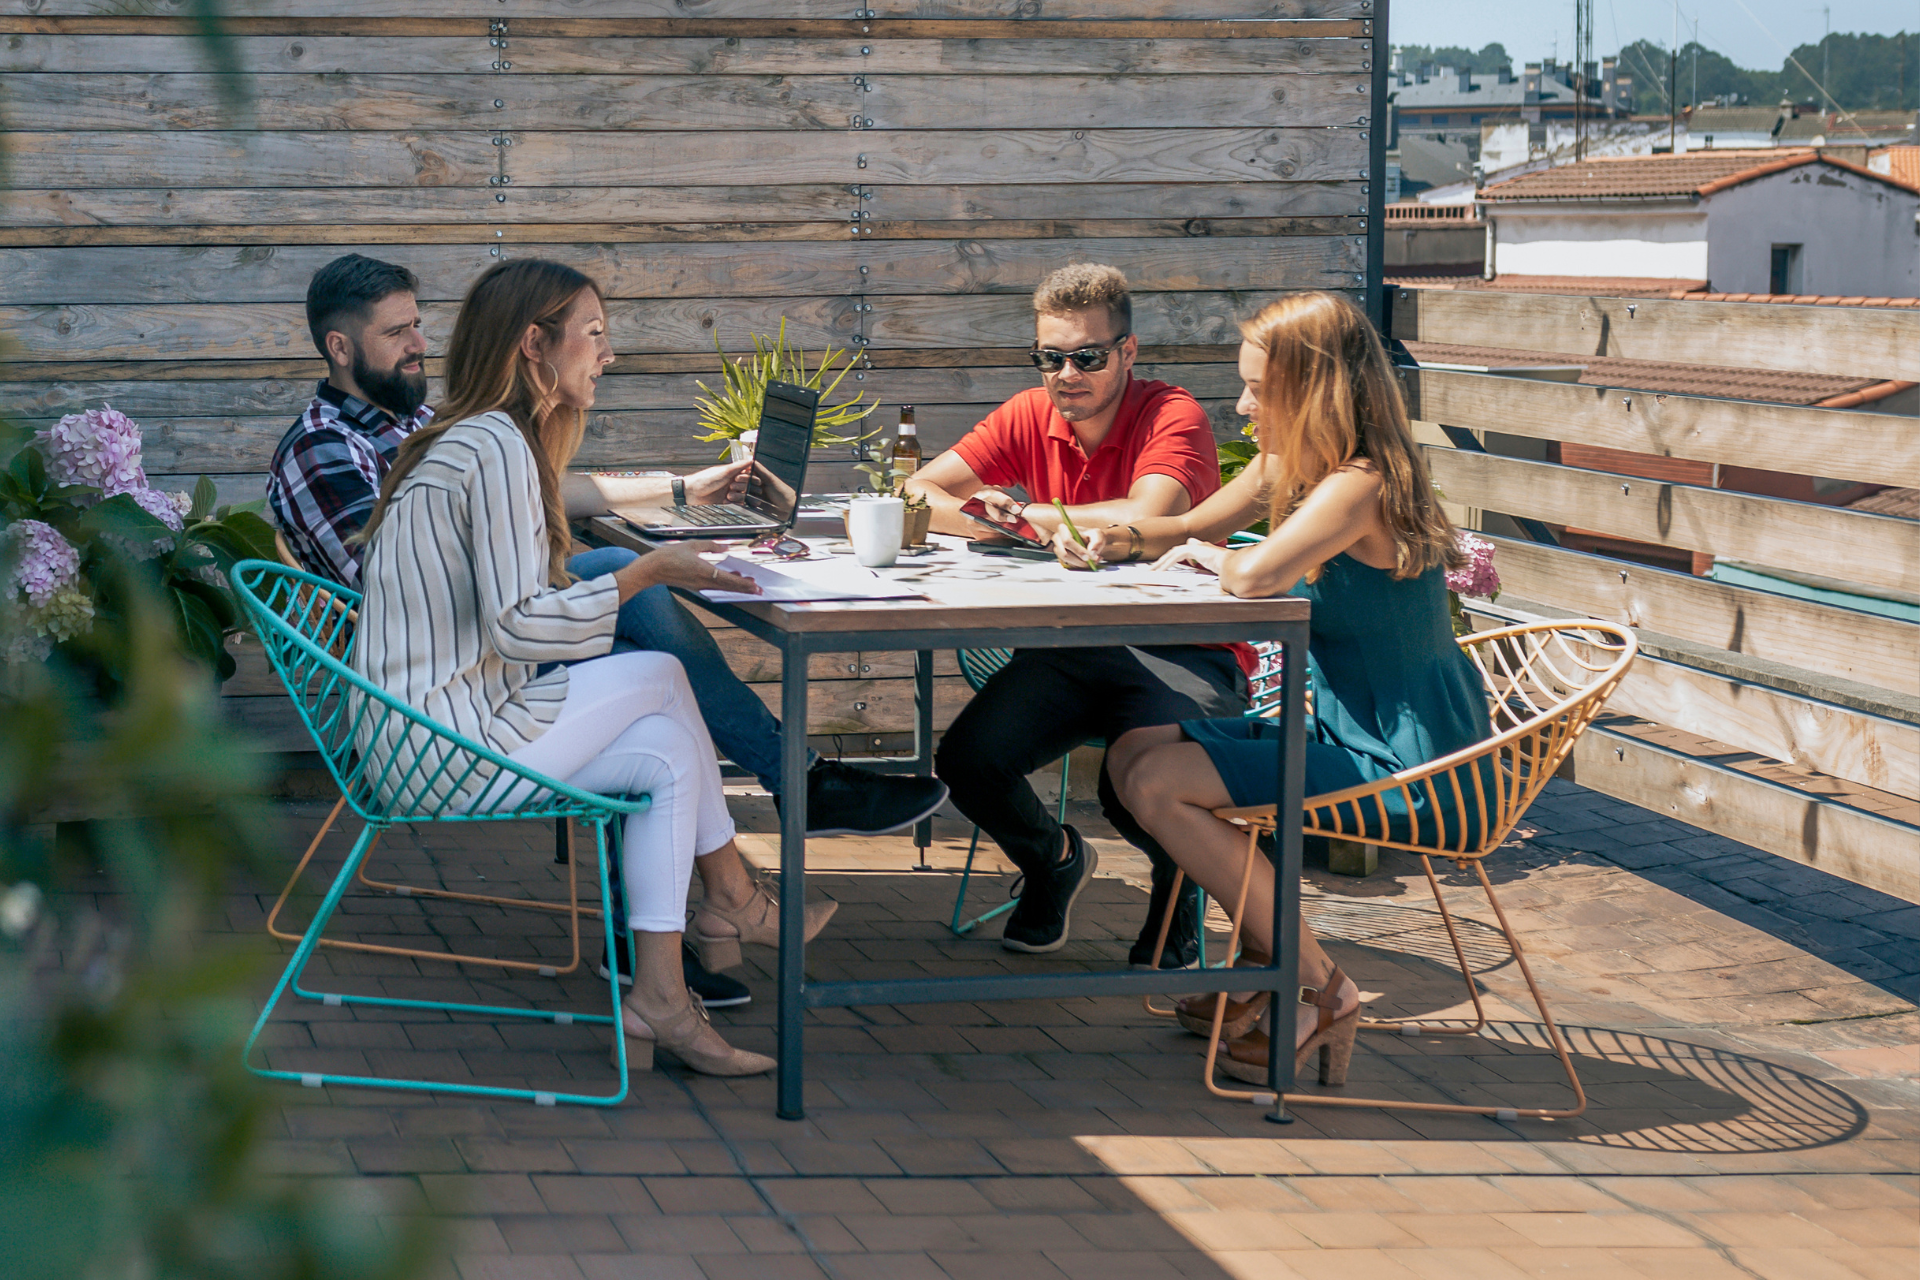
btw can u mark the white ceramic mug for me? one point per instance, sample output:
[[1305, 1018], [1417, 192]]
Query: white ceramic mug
[[875, 524]]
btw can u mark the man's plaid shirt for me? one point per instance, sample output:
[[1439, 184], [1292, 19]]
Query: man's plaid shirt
[[325, 477]]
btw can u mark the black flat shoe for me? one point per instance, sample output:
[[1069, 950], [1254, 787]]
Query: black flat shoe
[[1183, 938], [845, 801]]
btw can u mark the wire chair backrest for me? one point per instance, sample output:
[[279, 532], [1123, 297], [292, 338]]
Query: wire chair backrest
[[1545, 683], [977, 665], [392, 763]]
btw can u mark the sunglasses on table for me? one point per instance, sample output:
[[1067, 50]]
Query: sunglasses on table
[[781, 547], [1086, 359]]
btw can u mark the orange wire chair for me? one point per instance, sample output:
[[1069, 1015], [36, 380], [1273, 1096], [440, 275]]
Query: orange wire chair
[[316, 600], [1545, 682]]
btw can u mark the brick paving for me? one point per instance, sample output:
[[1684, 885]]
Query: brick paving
[[1745, 1028]]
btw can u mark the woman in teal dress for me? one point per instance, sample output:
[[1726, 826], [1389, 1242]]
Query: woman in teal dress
[[1358, 531]]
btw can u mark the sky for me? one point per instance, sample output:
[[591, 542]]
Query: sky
[[1528, 28]]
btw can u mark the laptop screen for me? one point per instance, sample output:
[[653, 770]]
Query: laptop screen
[[780, 455]]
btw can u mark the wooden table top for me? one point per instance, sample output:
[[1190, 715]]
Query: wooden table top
[[967, 590]]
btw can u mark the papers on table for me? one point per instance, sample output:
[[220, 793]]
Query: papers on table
[[795, 581]]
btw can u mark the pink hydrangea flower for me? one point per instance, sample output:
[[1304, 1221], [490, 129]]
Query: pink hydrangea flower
[[160, 506], [100, 447], [44, 561], [1478, 577]]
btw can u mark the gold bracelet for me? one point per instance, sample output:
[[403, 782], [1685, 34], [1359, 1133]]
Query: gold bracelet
[[1136, 546]]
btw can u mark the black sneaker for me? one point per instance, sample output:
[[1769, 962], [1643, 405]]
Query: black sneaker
[[623, 952], [1183, 937], [1040, 922], [715, 990], [845, 801]]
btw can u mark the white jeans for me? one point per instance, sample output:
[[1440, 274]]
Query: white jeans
[[630, 726]]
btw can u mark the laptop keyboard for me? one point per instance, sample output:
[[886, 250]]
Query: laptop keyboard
[[723, 514]]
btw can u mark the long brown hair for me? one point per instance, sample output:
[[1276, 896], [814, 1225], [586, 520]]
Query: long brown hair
[[1329, 396], [486, 371]]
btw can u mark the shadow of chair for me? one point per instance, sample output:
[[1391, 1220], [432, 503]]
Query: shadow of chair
[[1545, 683], [395, 765], [323, 597]]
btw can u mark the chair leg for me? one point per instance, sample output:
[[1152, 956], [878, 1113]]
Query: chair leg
[[564, 836], [960, 898], [1395, 1104], [309, 943], [1405, 1028]]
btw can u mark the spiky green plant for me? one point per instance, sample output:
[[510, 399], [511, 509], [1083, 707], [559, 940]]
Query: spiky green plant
[[734, 410]]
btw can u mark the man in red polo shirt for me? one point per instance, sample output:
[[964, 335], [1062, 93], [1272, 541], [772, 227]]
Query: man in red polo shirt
[[1114, 449]]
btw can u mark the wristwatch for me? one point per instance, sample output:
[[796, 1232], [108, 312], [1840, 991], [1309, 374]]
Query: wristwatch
[[679, 491]]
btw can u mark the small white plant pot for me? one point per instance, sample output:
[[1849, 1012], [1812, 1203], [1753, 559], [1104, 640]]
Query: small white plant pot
[[874, 526], [741, 448]]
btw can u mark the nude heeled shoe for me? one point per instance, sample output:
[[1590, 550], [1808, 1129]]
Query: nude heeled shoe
[[1246, 1058], [716, 932], [677, 1033], [1195, 1013]]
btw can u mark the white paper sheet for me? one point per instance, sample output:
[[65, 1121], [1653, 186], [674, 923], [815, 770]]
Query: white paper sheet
[[795, 581]]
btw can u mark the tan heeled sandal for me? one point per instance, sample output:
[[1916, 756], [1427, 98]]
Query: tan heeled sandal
[[677, 1034], [1195, 1013], [716, 933], [1246, 1057]]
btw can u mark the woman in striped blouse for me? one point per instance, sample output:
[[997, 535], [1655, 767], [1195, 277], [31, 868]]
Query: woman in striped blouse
[[471, 616]]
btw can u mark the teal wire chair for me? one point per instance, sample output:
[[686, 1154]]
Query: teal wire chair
[[303, 623]]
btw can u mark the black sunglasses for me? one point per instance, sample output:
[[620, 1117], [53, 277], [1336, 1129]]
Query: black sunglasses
[[1086, 359]]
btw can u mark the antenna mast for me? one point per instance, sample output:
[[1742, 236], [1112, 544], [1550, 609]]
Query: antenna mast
[[1582, 57]]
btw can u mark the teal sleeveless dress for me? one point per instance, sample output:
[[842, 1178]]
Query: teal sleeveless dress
[[1391, 690]]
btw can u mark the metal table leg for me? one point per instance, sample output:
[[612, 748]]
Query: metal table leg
[[923, 741], [1286, 883], [793, 880]]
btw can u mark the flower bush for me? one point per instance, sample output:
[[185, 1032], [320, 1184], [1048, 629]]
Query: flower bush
[[74, 497], [1476, 578]]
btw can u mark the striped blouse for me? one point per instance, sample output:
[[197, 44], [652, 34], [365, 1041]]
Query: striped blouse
[[459, 614]]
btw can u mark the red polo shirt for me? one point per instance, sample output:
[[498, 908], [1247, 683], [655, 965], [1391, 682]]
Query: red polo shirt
[[1160, 430]]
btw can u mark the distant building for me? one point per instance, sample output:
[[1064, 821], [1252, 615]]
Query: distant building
[[1449, 106], [1732, 128], [1759, 222]]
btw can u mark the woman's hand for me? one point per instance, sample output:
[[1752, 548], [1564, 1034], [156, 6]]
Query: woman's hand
[[724, 483], [1204, 555], [679, 566]]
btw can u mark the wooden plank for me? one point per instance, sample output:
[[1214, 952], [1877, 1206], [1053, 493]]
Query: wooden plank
[[118, 101], [601, 28], [1840, 642], [1877, 447], [712, 55], [311, 101], [1882, 551], [210, 159], [1843, 841], [210, 331], [125, 276], [1867, 341], [711, 10], [460, 215], [339, 214], [1838, 741]]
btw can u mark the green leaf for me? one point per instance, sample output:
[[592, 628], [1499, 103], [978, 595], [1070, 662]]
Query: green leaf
[[122, 516], [205, 494]]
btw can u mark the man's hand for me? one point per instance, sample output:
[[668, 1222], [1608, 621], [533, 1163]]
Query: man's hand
[[680, 566], [724, 483], [1000, 505], [1071, 553], [1102, 544], [1204, 555]]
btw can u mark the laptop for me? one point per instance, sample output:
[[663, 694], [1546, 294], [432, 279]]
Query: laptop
[[774, 484]]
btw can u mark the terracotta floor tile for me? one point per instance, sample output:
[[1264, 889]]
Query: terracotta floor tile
[[1597, 1230], [1874, 1228], [1457, 1230]]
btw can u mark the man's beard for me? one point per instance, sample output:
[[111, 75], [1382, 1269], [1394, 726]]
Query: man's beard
[[400, 394]]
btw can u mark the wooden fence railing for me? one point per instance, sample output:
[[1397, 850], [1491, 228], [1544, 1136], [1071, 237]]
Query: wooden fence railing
[[1833, 690]]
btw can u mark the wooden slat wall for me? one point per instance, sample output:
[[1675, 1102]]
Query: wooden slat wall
[[892, 179], [891, 176], [1827, 688]]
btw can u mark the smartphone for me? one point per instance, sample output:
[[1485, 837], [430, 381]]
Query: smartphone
[[1022, 533]]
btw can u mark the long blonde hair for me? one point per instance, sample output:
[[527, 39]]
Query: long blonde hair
[[486, 372], [1329, 396]]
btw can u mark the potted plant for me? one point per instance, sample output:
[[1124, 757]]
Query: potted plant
[[885, 480], [732, 413]]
